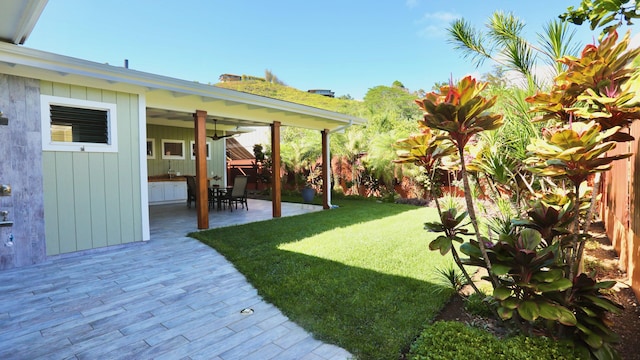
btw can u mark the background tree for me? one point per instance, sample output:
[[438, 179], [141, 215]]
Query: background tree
[[603, 13], [394, 101], [350, 146], [299, 152]]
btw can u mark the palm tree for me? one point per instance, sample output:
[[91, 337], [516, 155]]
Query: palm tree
[[351, 145], [379, 159], [299, 150], [512, 51]]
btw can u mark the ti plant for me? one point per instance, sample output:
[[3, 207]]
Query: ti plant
[[460, 111], [430, 152], [528, 273], [452, 226], [534, 263]]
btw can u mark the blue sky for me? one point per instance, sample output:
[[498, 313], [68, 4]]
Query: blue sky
[[342, 45]]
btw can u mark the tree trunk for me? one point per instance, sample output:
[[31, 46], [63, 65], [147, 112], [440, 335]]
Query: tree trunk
[[472, 216]]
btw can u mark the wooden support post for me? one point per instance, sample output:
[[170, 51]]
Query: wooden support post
[[202, 191], [326, 164], [276, 184]]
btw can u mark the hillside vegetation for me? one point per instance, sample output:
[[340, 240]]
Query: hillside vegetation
[[287, 93]]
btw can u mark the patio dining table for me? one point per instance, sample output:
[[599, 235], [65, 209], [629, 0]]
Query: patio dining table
[[218, 193]]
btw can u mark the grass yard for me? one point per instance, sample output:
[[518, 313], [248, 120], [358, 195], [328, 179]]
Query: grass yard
[[360, 276]]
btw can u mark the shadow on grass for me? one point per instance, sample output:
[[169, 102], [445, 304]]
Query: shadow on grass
[[371, 314]]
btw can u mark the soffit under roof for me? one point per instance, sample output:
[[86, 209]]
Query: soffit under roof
[[17, 19], [177, 98]]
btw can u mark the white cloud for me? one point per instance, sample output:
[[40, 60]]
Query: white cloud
[[441, 16], [434, 25], [432, 31], [412, 3]]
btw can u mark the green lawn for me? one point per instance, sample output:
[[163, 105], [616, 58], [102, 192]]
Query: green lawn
[[359, 276]]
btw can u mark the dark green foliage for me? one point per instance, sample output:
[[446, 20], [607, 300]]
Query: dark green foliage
[[454, 340], [479, 304], [451, 224], [603, 13], [395, 101], [450, 278], [591, 307]]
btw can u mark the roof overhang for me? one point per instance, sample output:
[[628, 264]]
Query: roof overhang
[[176, 98], [17, 19]]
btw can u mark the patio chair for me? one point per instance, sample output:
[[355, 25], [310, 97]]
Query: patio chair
[[238, 194], [191, 192]]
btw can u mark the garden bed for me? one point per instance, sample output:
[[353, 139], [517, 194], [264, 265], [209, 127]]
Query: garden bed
[[604, 261]]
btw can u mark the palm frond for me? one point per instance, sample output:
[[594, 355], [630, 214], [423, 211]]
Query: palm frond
[[556, 41], [521, 58], [518, 55], [505, 28], [469, 41]]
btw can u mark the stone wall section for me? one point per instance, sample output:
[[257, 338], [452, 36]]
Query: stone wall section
[[21, 168]]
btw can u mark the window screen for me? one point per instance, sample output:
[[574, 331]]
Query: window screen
[[81, 125]]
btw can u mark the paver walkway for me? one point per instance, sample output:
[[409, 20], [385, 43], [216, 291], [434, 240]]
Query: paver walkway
[[169, 298]]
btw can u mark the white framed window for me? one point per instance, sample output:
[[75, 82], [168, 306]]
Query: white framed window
[[78, 125], [151, 148], [172, 149], [193, 150]]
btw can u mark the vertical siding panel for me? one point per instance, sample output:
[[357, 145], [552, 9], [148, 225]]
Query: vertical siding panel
[[50, 203], [78, 92], [135, 167], [124, 169], [65, 211], [61, 90], [97, 178], [94, 94], [82, 200], [218, 155], [46, 88], [112, 185], [112, 203]]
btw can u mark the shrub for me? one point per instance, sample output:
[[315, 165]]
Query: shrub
[[450, 278], [413, 201], [448, 340], [477, 304]]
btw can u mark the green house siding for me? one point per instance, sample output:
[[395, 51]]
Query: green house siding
[[159, 166], [92, 199]]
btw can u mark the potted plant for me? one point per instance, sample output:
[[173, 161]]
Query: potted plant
[[308, 193], [314, 180]]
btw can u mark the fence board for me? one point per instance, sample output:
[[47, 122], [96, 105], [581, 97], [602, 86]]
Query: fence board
[[621, 207]]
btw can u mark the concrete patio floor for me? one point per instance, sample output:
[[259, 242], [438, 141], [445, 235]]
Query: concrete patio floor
[[169, 298]]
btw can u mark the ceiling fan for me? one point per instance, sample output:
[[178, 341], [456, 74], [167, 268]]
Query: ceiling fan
[[215, 132]]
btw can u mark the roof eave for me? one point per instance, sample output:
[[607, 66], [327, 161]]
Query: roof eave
[[20, 17], [60, 64]]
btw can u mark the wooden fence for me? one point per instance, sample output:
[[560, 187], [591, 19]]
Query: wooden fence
[[620, 208]]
